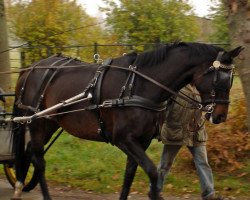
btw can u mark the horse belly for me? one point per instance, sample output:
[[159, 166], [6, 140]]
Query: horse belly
[[82, 125]]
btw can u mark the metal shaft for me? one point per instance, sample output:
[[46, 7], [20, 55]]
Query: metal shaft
[[51, 109]]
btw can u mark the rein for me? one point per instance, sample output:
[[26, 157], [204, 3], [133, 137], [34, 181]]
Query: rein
[[191, 101]]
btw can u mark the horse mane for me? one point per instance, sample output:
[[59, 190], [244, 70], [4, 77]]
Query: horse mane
[[74, 60], [157, 56], [131, 57]]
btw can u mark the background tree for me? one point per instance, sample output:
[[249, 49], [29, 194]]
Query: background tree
[[219, 24], [239, 31], [4, 56], [46, 23], [146, 21]]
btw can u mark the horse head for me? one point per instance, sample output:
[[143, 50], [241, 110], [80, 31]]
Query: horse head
[[215, 83]]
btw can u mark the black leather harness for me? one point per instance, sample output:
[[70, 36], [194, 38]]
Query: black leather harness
[[125, 99], [128, 100]]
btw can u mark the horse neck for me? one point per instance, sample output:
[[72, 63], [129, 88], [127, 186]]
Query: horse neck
[[170, 73]]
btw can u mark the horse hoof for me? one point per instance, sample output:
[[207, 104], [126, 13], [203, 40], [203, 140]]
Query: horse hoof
[[157, 198], [16, 197], [18, 191]]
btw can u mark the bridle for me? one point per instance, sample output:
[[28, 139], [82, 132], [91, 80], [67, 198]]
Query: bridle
[[222, 81]]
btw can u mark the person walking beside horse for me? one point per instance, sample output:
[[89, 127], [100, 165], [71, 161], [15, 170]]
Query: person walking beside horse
[[184, 126]]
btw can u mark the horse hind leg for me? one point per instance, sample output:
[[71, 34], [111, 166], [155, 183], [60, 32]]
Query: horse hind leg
[[39, 163], [41, 132], [134, 149]]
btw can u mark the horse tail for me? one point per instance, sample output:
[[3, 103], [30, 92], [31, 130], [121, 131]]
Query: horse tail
[[18, 134]]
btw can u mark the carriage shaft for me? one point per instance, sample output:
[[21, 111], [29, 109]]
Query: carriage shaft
[[70, 101]]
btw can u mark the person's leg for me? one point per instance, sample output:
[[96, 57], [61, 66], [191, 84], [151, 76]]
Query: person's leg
[[204, 171], [167, 158]]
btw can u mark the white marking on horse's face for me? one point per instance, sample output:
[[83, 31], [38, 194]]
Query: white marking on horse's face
[[211, 119]]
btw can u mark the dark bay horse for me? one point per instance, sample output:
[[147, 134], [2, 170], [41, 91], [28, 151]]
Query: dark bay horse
[[127, 104]]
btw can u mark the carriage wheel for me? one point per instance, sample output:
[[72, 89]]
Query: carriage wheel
[[31, 179]]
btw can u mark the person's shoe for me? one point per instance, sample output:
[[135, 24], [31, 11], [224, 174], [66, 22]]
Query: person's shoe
[[213, 197]]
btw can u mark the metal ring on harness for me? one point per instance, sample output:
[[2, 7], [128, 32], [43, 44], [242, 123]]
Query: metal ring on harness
[[209, 108], [97, 58], [200, 106]]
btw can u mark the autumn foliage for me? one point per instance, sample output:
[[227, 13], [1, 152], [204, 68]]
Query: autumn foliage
[[229, 143]]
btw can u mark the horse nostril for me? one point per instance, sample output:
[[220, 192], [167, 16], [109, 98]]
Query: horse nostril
[[219, 118], [223, 118], [207, 116], [216, 121]]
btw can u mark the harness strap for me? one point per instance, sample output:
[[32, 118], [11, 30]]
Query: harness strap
[[19, 99], [125, 85], [131, 84], [98, 79], [48, 83], [36, 108], [95, 86], [134, 101], [128, 84]]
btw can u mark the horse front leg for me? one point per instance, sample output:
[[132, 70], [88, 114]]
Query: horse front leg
[[131, 168], [134, 149]]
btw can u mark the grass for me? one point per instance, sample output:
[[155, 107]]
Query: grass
[[91, 165], [85, 164]]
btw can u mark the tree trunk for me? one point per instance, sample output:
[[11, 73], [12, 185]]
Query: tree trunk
[[239, 26], [5, 81]]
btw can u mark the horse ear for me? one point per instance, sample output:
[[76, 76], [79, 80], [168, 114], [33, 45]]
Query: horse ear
[[235, 52]]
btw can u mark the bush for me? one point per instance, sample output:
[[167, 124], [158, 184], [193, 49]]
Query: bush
[[229, 144]]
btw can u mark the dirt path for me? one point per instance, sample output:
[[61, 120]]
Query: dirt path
[[64, 193]]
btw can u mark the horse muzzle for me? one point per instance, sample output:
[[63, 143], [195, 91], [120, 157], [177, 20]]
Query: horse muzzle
[[216, 119]]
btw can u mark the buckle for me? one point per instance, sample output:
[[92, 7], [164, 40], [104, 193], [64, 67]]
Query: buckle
[[106, 103]]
